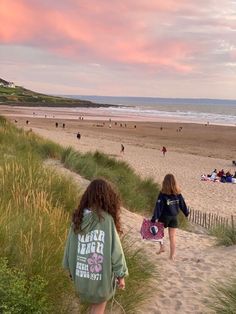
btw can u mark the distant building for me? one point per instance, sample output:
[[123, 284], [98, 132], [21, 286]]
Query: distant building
[[4, 83], [11, 84]]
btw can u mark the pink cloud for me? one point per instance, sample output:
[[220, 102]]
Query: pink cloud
[[127, 32]]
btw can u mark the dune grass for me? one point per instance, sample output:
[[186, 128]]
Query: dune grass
[[224, 298], [35, 212], [137, 194], [226, 235], [33, 222], [14, 139]]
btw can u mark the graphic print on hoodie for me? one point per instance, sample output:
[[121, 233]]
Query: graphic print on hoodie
[[94, 258], [90, 255]]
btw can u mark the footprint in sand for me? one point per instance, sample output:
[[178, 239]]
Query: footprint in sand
[[178, 305]]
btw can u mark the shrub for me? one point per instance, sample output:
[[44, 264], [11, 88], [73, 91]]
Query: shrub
[[19, 294]]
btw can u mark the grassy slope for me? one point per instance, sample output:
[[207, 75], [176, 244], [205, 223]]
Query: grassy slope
[[34, 218], [25, 97], [34, 214]]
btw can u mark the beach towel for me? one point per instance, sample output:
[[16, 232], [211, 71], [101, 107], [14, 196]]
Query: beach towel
[[153, 231]]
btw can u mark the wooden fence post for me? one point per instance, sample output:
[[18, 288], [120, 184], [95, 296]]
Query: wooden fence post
[[210, 220]]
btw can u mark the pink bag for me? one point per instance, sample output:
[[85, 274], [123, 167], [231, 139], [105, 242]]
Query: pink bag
[[153, 231]]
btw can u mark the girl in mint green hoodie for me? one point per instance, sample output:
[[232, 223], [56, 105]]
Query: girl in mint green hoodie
[[93, 253]]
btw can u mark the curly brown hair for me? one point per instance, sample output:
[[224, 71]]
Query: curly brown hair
[[99, 196]]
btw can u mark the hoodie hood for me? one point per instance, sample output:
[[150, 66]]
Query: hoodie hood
[[89, 222]]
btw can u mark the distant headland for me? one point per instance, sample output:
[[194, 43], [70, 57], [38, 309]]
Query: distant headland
[[13, 95]]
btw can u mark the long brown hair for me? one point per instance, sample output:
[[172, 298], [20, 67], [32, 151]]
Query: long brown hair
[[169, 185], [99, 196]]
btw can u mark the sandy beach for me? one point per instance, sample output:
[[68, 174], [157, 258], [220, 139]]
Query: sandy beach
[[195, 150], [184, 286]]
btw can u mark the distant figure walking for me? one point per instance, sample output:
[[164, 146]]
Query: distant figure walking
[[164, 150], [27, 121], [63, 125], [56, 124], [78, 136], [122, 151]]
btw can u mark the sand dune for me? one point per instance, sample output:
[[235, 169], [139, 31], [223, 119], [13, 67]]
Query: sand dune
[[184, 285]]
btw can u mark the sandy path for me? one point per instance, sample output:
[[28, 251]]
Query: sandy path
[[184, 286]]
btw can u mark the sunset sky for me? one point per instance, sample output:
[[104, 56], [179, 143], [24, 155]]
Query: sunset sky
[[163, 48]]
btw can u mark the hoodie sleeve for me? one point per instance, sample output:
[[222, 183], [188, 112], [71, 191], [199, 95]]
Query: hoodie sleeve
[[183, 206], [158, 208], [70, 253], [119, 266], [65, 262]]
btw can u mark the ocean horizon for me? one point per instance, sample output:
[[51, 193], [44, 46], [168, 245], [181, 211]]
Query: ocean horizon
[[135, 100], [200, 110]]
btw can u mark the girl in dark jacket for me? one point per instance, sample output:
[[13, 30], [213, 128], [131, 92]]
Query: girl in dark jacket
[[168, 204]]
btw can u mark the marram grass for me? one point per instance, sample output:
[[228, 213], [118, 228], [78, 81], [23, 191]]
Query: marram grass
[[35, 212], [224, 298], [137, 194], [226, 235], [34, 216]]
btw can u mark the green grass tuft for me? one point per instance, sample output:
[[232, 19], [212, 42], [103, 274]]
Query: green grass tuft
[[226, 235], [35, 208], [224, 298], [137, 194]]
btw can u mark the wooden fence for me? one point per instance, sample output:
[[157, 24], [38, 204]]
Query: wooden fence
[[210, 220]]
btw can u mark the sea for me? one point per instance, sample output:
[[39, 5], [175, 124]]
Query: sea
[[196, 110]]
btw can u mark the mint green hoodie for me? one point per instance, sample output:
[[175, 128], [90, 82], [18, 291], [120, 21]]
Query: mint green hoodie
[[94, 258]]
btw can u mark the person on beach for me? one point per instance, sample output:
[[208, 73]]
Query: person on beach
[[93, 253], [122, 150], [168, 204], [164, 150], [78, 135]]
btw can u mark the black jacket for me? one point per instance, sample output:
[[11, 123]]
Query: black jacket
[[169, 205]]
